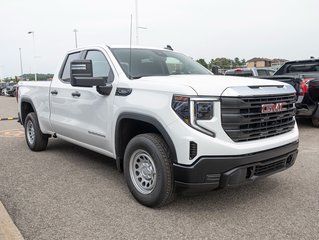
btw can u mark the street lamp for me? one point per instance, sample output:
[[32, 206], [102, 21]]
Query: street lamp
[[21, 63], [1, 66], [136, 21], [137, 27], [76, 37], [35, 72]]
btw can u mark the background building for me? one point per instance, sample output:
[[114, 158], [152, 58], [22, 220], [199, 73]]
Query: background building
[[276, 63], [265, 62], [258, 62]]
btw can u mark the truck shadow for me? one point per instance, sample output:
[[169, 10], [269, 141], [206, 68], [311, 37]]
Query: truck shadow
[[229, 198], [304, 123], [208, 201], [83, 155]]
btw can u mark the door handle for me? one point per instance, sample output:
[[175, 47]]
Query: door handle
[[54, 92], [76, 94]]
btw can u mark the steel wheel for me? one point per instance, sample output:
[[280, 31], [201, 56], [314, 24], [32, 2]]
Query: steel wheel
[[142, 171], [148, 170], [30, 132], [36, 140]]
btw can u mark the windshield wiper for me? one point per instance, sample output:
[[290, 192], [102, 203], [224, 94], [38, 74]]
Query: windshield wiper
[[137, 77]]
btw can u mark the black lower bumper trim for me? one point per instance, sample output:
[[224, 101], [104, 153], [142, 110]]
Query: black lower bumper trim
[[221, 171]]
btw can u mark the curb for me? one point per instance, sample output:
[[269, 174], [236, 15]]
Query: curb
[[10, 118], [8, 230]]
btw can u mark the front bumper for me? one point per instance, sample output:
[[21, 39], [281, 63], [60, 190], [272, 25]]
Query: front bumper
[[211, 172]]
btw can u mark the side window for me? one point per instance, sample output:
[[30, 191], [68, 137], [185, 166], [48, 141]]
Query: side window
[[101, 67], [262, 72], [66, 71]]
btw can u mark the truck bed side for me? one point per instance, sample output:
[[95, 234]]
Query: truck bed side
[[36, 95]]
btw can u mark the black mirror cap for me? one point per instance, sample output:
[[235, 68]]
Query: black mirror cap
[[82, 74]]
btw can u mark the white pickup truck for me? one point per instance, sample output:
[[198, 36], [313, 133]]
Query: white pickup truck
[[169, 123]]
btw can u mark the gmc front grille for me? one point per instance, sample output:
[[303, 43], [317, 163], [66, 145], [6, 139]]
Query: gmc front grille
[[244, 120]]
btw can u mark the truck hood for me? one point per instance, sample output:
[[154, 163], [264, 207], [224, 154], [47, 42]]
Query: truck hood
[[216, 85]]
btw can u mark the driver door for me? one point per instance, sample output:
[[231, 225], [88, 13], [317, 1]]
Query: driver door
[[81, 113]]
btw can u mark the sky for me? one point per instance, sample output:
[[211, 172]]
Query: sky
[[199, 28]]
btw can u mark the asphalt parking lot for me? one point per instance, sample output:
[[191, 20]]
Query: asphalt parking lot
[[68, 192]]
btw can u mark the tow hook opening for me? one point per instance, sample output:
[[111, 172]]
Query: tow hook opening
[[289, 159], [250, 172]]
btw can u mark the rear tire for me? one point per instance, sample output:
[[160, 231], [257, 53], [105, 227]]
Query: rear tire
[[148, 170], [315, 122], [36, 140]]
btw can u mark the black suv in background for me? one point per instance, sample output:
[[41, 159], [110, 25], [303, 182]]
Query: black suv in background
[[304, 76]]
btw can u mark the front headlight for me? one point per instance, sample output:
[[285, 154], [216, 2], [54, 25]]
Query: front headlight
[[181, 105], [204, 110], [193, 109]]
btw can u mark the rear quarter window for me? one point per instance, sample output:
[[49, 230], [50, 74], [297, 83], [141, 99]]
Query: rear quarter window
[[301, 68], [240, 73], [263, 72]]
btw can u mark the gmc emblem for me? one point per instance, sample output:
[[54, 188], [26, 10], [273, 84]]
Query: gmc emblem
[[273, 107]]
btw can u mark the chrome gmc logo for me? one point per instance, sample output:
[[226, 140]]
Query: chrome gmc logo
[[273, 107]]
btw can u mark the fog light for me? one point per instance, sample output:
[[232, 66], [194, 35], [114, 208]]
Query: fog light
[[192, 150]]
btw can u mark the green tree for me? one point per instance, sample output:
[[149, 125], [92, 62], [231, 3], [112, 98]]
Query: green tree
[[223, 63], [40, 76], [226, 63], [202, 62], [237, 62]]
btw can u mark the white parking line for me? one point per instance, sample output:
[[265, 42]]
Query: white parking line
[[8, 230]]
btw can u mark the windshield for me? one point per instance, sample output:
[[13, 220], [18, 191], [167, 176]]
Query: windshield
[[151, 62]]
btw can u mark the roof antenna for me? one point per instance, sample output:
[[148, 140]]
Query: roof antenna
[[130, 65]]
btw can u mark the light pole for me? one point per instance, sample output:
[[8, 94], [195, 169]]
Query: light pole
[[143, 28], [35, 68], [1, 66], [136, 21], [137, 27], [76, 37], [21, 62]]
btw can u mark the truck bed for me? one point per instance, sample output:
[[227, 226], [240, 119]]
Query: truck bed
[[38, 91]]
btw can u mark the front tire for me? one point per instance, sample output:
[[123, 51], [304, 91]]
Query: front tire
[[315, 122], [148, 170], [36, 140]]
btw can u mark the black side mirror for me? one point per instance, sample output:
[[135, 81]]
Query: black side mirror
[[105, 90], [82, 74]]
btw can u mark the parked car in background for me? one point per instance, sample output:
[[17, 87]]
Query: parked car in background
[[216, 70], [303, 75], [250, 72], [2, 88], [11, 89]]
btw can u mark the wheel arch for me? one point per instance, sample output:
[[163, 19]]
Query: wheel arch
[[316, 112], [123, 133], [26, 107]]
